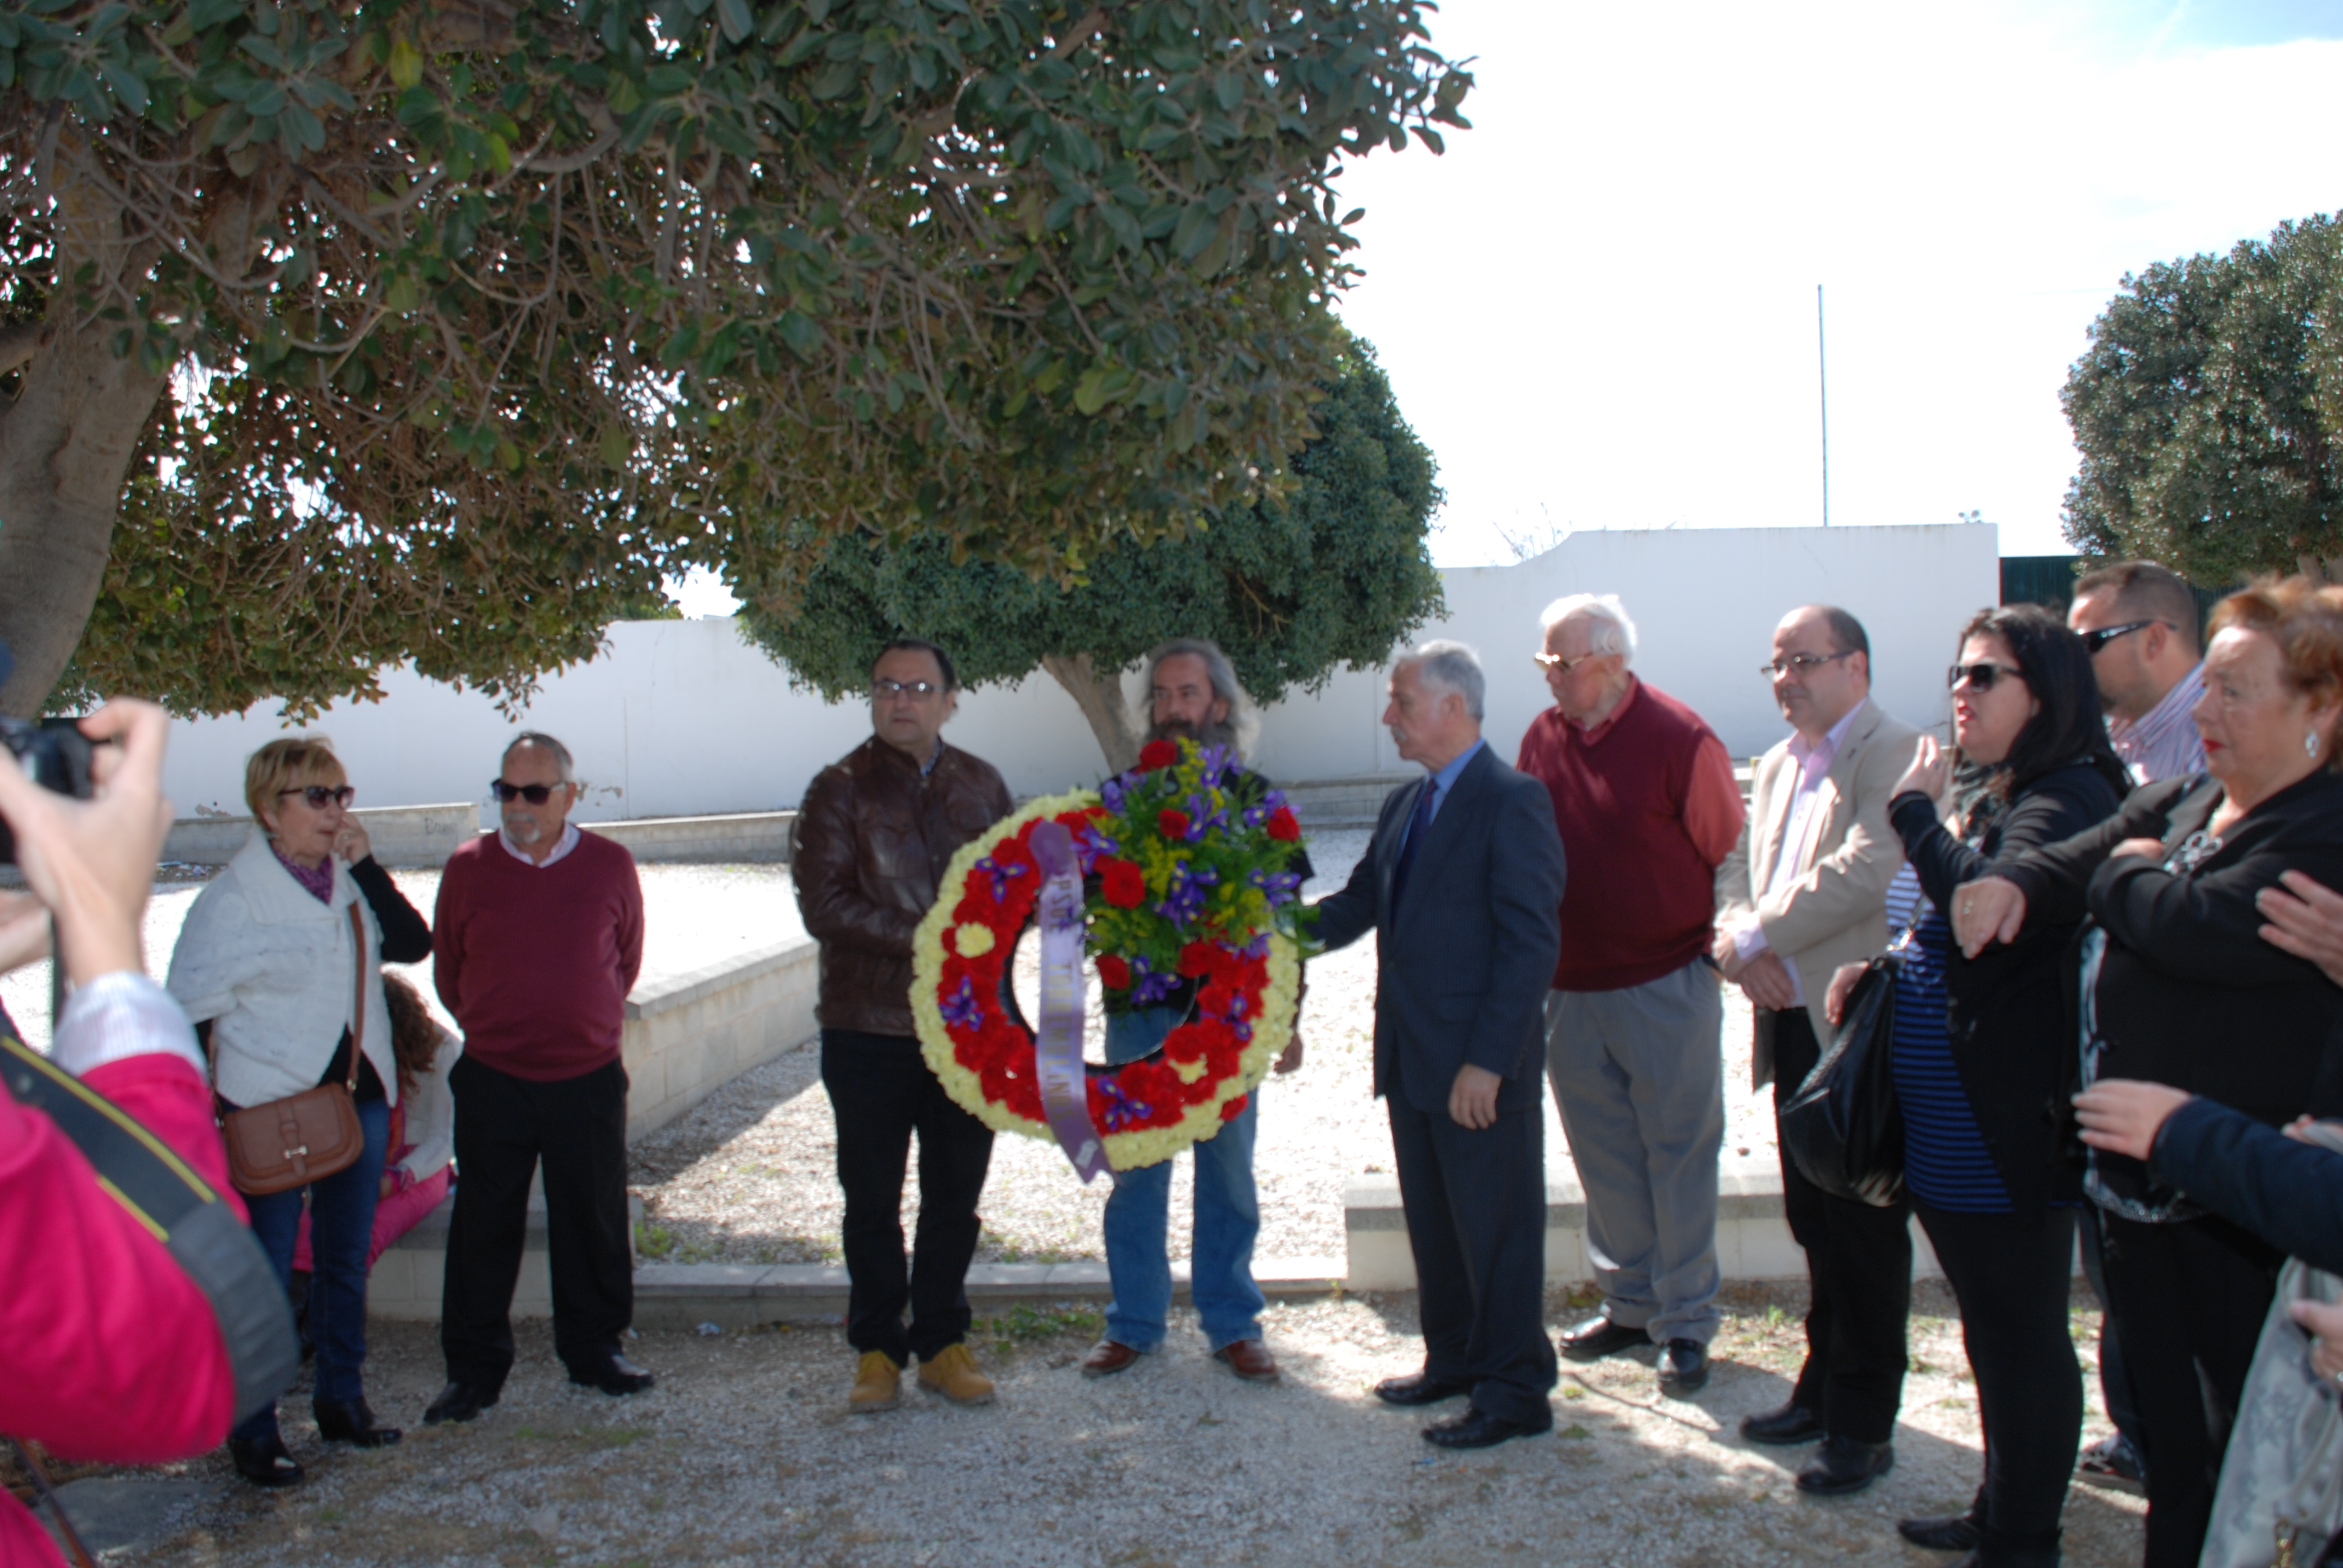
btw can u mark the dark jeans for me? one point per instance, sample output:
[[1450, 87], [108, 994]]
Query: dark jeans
[[881, 1092], [2115, 1378], [2011, 1274], [2189, 1300], [1860, 1265], [341, 1234], [1475, 1207], [503, 1127]]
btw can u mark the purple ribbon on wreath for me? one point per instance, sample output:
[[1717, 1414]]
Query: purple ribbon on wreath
[[1057, 1042]]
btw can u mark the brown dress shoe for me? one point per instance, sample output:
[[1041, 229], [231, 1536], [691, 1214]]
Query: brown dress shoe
[[1107, 1358], [1250, 1360]]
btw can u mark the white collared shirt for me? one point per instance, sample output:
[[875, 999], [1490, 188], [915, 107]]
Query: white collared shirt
[[2163, 742], [1813, 766], [569, 842]]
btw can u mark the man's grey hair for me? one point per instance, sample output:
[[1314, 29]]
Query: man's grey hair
[[1608, 628], [1446, 665], [561, 758], [1244, 720]]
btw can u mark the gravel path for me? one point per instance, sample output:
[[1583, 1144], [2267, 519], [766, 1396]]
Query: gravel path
[[748, 1175], [744, 1455]]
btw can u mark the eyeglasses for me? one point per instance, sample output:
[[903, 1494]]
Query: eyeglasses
[[2095, 640], [1981, 677], [918, 690], [1559, 665], [320, 796], [1800, 664], [535, 794]]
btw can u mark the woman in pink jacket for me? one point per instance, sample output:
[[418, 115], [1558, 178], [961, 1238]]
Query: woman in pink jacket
[[108, 1350]]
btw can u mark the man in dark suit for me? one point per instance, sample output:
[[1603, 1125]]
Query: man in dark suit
[[1462, 887]]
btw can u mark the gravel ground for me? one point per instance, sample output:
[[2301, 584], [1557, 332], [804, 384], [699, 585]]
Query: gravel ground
[[748, 1175], [744, 1455]]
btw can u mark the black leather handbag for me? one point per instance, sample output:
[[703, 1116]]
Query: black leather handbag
[[1843, 1128]]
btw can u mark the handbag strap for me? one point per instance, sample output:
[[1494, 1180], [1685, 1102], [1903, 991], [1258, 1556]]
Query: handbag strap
[[358, 1005]]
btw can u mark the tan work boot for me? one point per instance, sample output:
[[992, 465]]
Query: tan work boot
[[878, 1384], [951, 1372]]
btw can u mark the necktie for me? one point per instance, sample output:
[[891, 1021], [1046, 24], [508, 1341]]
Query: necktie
[[1418, 825]]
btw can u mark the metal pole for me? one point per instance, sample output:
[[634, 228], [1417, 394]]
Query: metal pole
[[1822, 383]]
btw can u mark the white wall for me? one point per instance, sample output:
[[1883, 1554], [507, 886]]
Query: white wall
[[679, 717]]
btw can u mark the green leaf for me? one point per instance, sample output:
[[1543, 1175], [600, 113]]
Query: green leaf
[[406, 63], [735, 18], [1089, 392]]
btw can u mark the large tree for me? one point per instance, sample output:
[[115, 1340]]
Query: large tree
[[442, 329], [1332, 572], [2209, 412]]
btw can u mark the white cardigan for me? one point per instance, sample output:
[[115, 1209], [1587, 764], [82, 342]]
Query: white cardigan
[[271, 968], [431, 1114]]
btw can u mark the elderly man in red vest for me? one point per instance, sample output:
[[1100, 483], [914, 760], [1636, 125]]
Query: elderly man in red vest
[[1645, 798]]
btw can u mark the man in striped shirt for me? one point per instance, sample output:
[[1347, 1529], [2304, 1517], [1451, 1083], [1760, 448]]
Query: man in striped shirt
[[2139, 621]]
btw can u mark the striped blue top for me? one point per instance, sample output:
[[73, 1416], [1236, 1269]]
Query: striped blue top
[[1945, 1165]]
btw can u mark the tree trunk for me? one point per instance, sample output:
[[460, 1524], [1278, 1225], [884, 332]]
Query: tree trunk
[[2322, 570], [1100, 697], [66, 446]]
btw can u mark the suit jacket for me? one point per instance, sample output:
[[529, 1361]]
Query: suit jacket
[[1834, 911], [1464, 962]]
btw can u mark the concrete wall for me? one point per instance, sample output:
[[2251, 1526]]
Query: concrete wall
[[420, 837], [684, 718]]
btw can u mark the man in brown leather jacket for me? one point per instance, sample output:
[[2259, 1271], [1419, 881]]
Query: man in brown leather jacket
[[872, 842]]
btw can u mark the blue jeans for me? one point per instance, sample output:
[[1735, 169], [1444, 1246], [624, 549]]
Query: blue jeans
[[1228, 1218], [341, 1233]]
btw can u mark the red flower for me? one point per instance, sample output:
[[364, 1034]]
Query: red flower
[[1158, 754], [1113, 970], [1171, 824], [1123, 883], [1234, 1108], [1282, 826], [1200, 959]]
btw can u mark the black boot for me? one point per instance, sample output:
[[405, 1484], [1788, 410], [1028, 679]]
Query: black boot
[[263, 1460], [1999, 1550], [350, 1420], [1948, 1532]]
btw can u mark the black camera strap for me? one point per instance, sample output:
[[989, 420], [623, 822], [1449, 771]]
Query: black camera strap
[[180, 1210]]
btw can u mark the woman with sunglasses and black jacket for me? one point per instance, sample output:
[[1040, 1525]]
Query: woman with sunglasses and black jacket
[[1978, 1048], [271, 967], [2178, 987]]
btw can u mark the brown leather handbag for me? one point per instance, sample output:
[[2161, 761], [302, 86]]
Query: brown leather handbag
[[304, 1137]]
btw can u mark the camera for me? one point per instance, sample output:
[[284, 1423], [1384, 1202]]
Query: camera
[[54, 754]]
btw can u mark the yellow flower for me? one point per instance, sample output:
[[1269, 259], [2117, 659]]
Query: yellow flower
[[973, 941]]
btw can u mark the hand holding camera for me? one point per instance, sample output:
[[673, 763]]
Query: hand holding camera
[[89, 863]]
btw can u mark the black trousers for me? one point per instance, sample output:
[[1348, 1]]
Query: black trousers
[[503, 1127], [881, 1091], [2011, 1274], [2115, 1378], [1475, 1207], [1860, 1265], [2189, 1300]]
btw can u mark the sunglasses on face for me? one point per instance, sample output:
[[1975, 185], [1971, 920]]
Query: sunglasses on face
[[1981, 677], [320, 795], [535, 794], [1559, 665], [2095, 640]]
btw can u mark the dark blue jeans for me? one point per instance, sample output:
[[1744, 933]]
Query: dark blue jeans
[[341, 1232]]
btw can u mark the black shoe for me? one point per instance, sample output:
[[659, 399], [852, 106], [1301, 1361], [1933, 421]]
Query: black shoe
[[1943, 1531], [616, 1376], [1418, 1389], [1683, 1367], [1598, 1337], [1791, 1423], [1842, 1465], [263, 1460], [2113, 1461], [458, 1402], [349, 1420], [1479, 1429]]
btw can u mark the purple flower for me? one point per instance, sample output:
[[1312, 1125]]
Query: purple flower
[[1120, 1110], [963, 1010], [1001, 876], [1091, 844], [1111, 792], [1183, 899], [1216, 761], [1202, 817], [1278, 887], [1147, 986]]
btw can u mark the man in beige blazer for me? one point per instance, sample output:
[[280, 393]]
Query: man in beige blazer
[[1803, 892]]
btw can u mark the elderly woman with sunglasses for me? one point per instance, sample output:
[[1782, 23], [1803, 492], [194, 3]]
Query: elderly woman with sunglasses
[[1976, 1048], [265, 970], [2178, 987]]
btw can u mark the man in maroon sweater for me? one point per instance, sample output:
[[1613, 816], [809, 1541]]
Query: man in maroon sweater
[[538, 938], [1645, 798]]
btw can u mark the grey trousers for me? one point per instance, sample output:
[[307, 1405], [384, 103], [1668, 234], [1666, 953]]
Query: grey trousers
[[1639, 1076]]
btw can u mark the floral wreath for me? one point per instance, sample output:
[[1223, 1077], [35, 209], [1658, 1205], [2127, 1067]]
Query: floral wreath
[[1185, 879]]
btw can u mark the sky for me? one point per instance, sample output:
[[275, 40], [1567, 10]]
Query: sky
[[1598, 309]]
